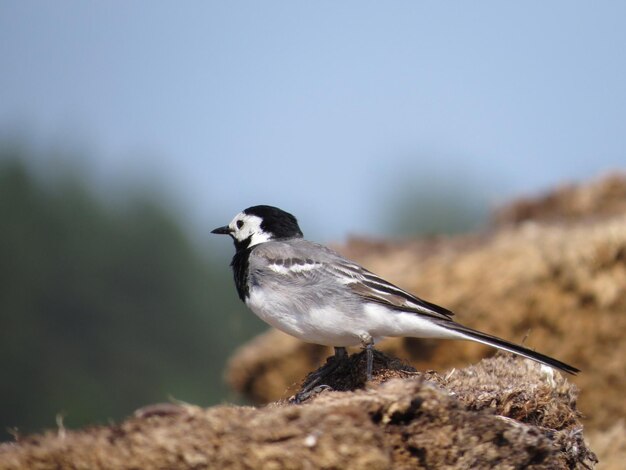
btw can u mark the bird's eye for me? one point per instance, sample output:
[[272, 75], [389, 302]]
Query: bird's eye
[[239, 223]]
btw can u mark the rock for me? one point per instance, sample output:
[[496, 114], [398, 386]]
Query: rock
[[504, 412]]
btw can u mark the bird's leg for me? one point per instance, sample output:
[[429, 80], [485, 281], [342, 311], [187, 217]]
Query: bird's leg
[[369, 351], [368, 344], [340, 354], [316, 377]]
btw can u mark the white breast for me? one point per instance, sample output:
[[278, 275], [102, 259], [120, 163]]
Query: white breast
[[320, 325], [339, 324]]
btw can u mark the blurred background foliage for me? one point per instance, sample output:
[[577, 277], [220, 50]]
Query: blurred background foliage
[[104, 307], [107, 304]]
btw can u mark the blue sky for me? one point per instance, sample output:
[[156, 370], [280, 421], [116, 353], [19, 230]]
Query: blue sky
[[327, 109]]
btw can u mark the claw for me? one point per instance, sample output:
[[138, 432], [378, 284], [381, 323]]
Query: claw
[[313, 386], [305, 395]]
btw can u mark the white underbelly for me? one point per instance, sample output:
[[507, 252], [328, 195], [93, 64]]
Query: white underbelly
[[328, 326], [336, 325]]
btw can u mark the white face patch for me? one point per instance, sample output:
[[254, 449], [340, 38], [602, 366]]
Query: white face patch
[[246, 226]]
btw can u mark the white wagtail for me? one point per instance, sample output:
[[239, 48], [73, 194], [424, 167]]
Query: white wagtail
[[313, 293]]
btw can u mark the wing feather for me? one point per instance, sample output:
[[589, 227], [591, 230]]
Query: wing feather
[[375, 289], [310, 261]]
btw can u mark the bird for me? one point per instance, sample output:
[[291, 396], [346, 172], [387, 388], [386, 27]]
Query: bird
[[310, 291]]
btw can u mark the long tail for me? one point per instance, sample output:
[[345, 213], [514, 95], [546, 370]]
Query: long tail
[[484, 338]]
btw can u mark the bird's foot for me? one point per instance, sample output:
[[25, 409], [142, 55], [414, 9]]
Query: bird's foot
[[304, 395], [313, 384]]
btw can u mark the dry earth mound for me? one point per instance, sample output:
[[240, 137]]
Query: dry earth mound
[[504, 412]]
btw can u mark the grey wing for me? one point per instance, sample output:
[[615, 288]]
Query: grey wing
[[295, 263], [309, 264], [375, 289]]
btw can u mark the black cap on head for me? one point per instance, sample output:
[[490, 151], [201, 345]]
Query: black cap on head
[[276, 221]]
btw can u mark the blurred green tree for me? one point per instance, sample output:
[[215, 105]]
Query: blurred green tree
[[103, 308]]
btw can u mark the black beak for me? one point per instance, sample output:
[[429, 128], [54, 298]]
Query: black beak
[[225, 230]]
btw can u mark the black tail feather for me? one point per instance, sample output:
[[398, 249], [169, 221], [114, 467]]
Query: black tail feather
[[499, 343]]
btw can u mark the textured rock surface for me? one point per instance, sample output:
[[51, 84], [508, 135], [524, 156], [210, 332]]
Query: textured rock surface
[[503, 412]]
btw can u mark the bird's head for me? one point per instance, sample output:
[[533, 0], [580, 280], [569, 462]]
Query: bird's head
[[259, 224]]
